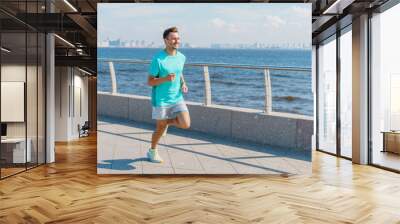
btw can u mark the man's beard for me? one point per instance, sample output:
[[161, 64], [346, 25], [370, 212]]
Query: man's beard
[[173, 46]]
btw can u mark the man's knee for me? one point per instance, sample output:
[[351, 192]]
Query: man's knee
[[185, 125], [161, 124]]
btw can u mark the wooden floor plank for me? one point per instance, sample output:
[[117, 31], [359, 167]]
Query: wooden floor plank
[[70, 191]]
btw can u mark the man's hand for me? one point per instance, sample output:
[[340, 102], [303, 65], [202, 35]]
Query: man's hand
[[185, 89], [170, 77]]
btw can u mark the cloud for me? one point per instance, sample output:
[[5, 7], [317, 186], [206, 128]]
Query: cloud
[[217, 22], [222, 24], [274, 21]]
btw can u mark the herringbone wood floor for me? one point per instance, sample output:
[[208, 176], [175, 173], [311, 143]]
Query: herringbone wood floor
[[70, 191]]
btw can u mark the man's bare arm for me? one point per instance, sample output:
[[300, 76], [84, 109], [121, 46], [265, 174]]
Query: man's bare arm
[[182, 80], [153, 81]]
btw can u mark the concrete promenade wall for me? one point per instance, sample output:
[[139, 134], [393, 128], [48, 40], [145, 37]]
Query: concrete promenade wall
[[276, 129]]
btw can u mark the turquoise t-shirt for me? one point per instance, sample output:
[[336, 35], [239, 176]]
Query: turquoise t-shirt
[[169, 92]]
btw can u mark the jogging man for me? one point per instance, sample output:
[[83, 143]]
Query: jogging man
[[166, 79]]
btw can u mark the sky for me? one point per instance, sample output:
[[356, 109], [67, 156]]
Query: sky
[[202, 24]]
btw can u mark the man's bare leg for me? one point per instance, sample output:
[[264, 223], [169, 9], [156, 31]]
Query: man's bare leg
[[160, 127], [181, 121]]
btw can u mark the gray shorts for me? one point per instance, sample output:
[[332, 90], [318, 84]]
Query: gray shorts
[[168, 112]]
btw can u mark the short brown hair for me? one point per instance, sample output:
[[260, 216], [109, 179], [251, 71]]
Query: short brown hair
[[169, 30]]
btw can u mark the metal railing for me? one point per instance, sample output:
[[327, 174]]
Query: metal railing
[[207, 83]]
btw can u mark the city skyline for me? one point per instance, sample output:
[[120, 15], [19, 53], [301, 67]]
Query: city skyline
[[143, 44], [224, 24]]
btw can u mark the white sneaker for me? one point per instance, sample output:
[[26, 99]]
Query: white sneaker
[[165, 131], [153, 156]]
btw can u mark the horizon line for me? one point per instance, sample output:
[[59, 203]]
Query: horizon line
[[221, 48]]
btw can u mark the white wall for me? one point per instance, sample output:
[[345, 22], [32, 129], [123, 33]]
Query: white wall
[[80, 94], [61, 103], [13, 72], [70, 83]]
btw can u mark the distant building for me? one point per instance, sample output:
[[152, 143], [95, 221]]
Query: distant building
[[115, 43]]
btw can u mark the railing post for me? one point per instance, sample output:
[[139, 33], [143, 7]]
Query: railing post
[[113, 79], [268, 92], [207, 87]]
